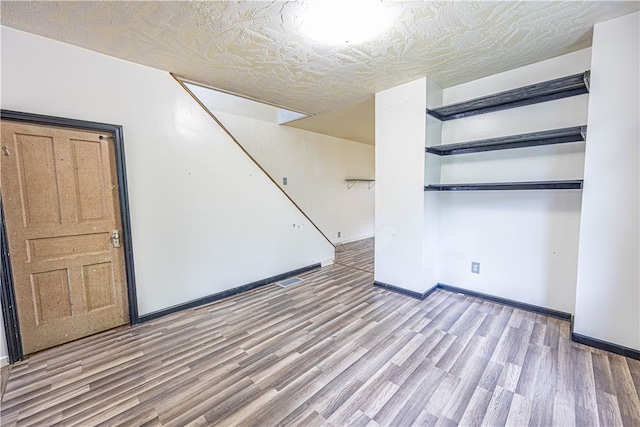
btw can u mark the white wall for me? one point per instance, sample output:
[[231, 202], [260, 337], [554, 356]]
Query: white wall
[[315, 165], [526, 241], [608, 294], [204, 217], [399, 220], [432, 167]]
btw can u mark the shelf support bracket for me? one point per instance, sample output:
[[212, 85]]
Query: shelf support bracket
[[587, 79], [353, 181]]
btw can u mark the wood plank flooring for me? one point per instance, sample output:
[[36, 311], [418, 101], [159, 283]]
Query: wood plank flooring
[[331, 350], [357, 255]]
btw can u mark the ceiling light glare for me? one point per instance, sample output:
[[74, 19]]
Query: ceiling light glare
[[344, 22]]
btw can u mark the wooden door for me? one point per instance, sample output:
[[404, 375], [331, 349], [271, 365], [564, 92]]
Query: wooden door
[[60, 196]]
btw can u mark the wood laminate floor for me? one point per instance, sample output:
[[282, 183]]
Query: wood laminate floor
[[331, 350]]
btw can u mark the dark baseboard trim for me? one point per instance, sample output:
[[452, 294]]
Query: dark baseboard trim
[[580, 339], [403, 291], [607, 346], [516, 304], [224, 294]]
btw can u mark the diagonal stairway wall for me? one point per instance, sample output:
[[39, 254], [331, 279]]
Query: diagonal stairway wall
[[314, 164], [204, 217]]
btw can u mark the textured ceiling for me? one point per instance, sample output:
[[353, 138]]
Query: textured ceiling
[[257, 48]]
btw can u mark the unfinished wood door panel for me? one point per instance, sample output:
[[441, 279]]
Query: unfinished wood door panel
[[60, 194]]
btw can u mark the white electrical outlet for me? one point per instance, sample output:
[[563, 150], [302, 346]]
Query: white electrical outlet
[[475, 267]]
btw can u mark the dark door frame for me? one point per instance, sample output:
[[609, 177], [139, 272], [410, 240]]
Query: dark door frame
[[9, 309]]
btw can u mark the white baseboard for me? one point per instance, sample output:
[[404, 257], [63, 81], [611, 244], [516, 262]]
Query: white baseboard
[[326, 262], [4, 361]]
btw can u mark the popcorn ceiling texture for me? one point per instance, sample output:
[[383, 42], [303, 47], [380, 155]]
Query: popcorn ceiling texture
[[257, 48]]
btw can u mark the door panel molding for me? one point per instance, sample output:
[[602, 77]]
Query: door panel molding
[[9, 310]]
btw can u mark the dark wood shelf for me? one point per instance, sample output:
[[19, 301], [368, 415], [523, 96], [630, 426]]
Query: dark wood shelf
[[563, 87], [531, 185], [548, 137]]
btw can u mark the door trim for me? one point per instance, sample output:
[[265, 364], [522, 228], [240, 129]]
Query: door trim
[[9, 310], [9, 313]]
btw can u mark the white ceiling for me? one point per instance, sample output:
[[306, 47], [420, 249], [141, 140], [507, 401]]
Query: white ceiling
[[355, 122], [256, 48]]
